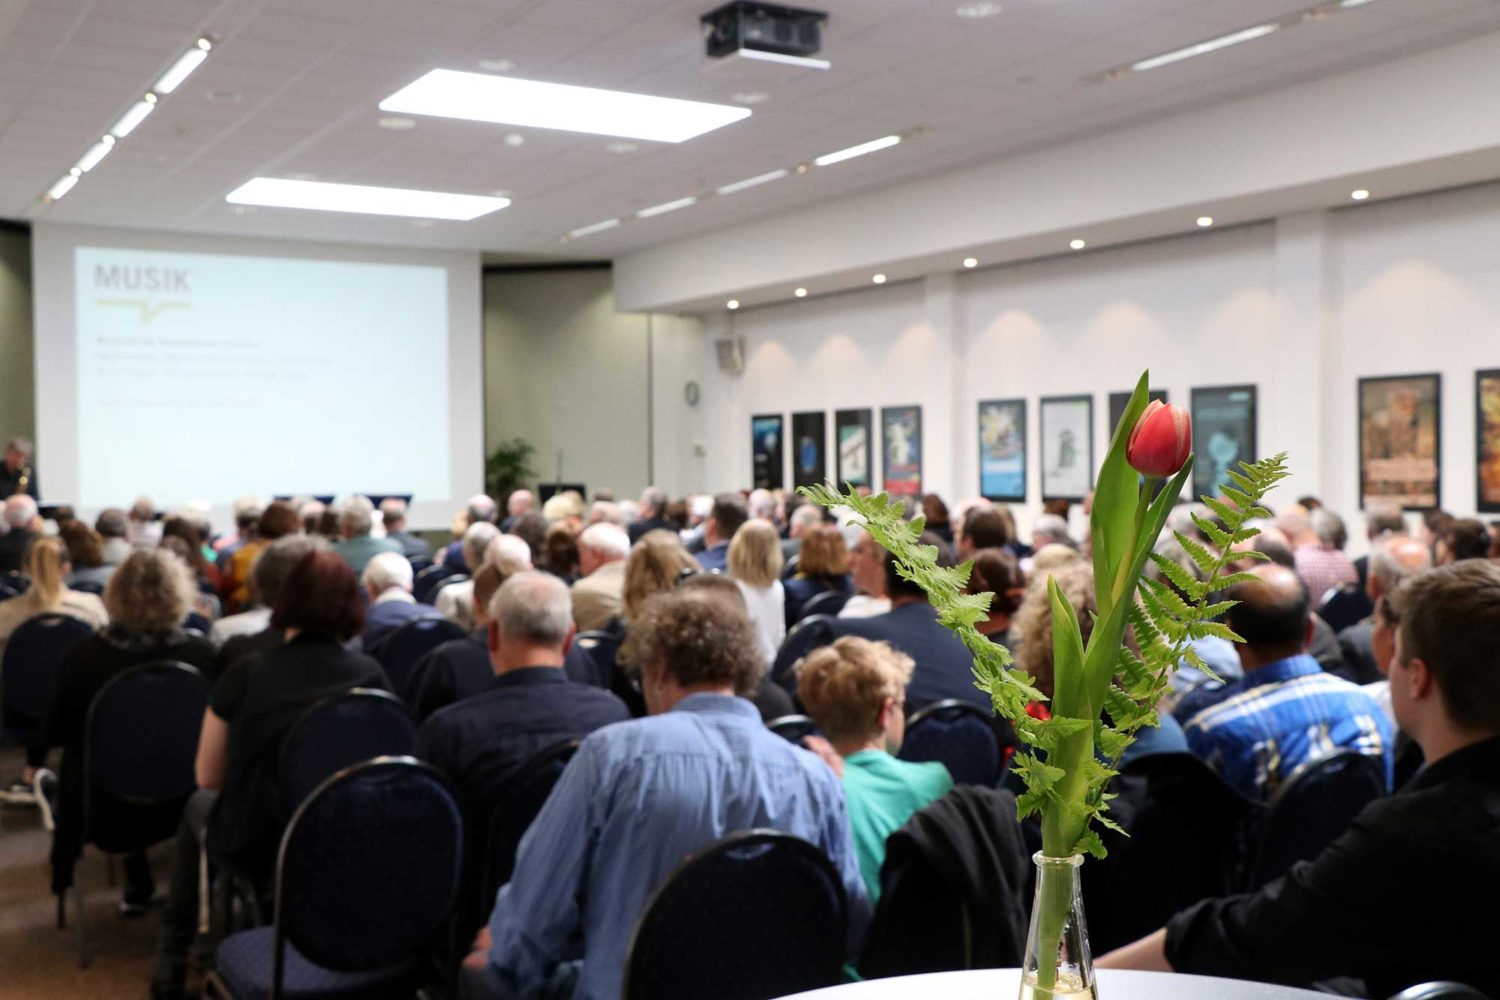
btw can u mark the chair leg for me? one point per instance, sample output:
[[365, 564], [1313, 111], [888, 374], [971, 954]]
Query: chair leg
[[62, 910], [84, 956]]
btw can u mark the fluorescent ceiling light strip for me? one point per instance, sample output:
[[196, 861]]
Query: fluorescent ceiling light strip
[[597, 227], [505, 100], [277, 192], [97, 152], [63, 186], [182, 68], [665, 207], [860, 150], [132, 118], [779, 57], [1203, 48], [750, 182]]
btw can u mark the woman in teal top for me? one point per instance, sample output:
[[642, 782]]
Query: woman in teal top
[[855, 690]]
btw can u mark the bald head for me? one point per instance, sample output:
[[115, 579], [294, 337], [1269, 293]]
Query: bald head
[[1296, 523], [1272, 615], [1393, 561]]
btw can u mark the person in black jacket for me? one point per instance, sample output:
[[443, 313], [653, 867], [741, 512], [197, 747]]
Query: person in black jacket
[[250, 710], [146, 598]]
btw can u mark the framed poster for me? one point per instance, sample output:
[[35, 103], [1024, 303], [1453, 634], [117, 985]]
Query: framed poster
[[1487, 424], [853, 436], [1223, 435], [1119, 400], [766, 452], [1002, 449], [809, 450], [1067, 447], [1399, 430], [901, 447]]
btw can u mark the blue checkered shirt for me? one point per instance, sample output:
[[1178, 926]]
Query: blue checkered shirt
[[1283, 715]]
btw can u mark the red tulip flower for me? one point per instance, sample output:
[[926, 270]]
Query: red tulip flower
[[1161, 441]]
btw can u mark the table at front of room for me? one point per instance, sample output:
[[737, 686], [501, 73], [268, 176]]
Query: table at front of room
[[1002, 984]]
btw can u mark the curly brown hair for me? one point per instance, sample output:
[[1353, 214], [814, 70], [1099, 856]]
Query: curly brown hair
[[150, 592], [698, 638]]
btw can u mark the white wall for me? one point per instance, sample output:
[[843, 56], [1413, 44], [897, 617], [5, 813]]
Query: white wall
[[1301, 306]]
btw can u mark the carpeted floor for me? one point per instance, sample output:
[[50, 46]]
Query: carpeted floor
[[40, 962]]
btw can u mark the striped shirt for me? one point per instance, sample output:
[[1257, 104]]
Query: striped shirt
[[1281, 716]]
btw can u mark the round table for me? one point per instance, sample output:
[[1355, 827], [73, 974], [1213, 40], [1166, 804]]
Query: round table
[[1002, 984]]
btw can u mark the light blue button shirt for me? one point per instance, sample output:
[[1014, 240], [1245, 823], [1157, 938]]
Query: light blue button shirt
[[637, 799]]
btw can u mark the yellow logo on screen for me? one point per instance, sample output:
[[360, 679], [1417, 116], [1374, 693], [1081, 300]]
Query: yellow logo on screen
[[148, 311]]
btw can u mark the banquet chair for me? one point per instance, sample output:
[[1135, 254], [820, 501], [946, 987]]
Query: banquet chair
[[789, 568], [802, 638], [1312, 809], [335, 733], [88, 587], [29, 672], [399, 650], [973, 744], [1439, 991], [793, 728], [757, 914], [424, 583], [520, 799], [830, 603], [13, 584], [134, 788], [366, 878], [1344, 606]]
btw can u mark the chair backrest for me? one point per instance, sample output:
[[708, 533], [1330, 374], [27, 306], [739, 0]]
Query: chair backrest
[[335, 733], [521, 798], [399, 650], [369, 867], [591, 660], [758, 914], [960, 735], [425, 582], [1179, 816], [13, 584], [802, 638], [793, 728], [789, 568], [29, 672], [447, 581], [830, 603], [419, 563], [1344, 606], [88, 587], [141, 738], [1315, 806], [1439, 991], [196, 623]]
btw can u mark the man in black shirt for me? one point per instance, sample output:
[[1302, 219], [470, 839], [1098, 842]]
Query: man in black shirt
[[17, 472], [1400, 898]]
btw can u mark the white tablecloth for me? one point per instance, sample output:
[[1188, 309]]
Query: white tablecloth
[[1002, 984]]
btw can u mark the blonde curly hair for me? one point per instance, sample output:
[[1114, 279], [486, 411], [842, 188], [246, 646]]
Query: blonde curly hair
[[1033, 622], [150, 592], [844, 685]]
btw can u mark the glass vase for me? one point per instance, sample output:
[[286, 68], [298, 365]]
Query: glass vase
[[1058, 962]]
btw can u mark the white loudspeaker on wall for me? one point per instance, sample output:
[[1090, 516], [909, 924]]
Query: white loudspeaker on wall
[[731, 355]]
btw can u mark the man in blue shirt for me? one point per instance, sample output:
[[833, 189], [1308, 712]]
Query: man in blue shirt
[[641, 796], [1285, 711], [729, 512]]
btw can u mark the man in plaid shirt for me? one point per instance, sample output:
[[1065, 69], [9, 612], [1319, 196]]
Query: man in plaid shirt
[[1317, 548], [1285, 711]]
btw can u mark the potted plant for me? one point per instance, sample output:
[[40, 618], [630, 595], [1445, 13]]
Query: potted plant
[[508, 468], [1104, 690]]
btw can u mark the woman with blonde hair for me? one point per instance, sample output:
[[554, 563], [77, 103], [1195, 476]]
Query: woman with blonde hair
[[754, 563], [855, 690], [147, 599], [46, 562]]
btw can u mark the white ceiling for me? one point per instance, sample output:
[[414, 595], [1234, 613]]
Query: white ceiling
[[292, 89]]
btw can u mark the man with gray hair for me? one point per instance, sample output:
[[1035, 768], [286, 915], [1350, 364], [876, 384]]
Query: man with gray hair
[[455, 602], [387, 579], [653, 514], [21, 526], [597, 596], [17, 471], [1392, 560], [806, 517], [1319, 563], [1383, 519], [393, 515], [356, 520], [480, 741], [480, 509], [114, 527], [517, 505]]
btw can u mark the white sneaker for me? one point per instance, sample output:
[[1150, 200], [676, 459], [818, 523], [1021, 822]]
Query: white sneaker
[[18, 793], [43, 788]]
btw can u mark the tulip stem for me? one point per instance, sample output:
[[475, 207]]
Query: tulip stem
[[1127, 554]]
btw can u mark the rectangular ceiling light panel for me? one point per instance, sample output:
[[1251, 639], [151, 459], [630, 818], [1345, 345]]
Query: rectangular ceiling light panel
[[274, 192], [504, 100]]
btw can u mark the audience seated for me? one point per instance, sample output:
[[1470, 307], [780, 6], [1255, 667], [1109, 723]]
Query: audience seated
[[1422, 852], [247, 511], [597, 596], [803, 518], [387, 581], [769, 698], [944, 668], [995, 571], [113, 527], [822, 566], [754, 563], [279, 519], [21, 526], [528, 705], [252, 706], [1462, 538], [1383, 520], [1284, 711], [85, 554], [393, 516], [455, 602], [1320, 564], [146, 599], [640, 796], [724, 519], [517, 505], [653, 515], [1392, 559], [251, 632], [358, 547], [855, 691], [144, 528], [867, 575], [559, 554], [479, 510], [459, 668]]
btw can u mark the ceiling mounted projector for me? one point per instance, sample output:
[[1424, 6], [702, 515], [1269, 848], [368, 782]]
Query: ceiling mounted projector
[[765, 31]]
